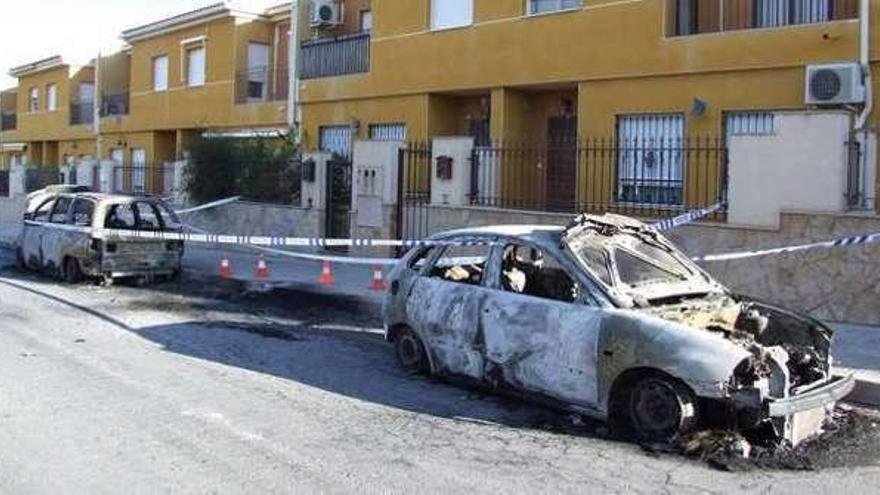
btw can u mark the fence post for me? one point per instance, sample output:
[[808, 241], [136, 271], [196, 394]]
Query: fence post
[[17, 180], [105, 174]]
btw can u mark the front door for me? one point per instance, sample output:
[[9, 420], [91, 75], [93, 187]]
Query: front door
[[138, 170], [540, 335], [338, 199], [561, 184]]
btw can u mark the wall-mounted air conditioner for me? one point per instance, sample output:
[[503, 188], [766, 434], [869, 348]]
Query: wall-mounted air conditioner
[[326, 13], [834, 84]]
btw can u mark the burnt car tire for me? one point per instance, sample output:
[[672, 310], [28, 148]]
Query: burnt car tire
[[411, 352], [661, 408], [19, 259], [71, 271]]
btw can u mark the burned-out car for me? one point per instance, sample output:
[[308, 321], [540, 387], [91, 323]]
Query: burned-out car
[[608, 319], [71, 235]]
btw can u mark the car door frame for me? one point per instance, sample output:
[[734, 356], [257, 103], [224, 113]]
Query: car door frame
[[32, 234], [54, 237], [518, 357], [456, 355]]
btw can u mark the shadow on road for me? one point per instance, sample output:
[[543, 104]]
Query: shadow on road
[[351, 363]]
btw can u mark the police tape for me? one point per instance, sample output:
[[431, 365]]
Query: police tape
[[208, 206], [834, 243], [691, 216]]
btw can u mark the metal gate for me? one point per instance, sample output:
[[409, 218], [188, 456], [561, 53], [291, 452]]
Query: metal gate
[[413, 191], [4, 183], [338, 221]]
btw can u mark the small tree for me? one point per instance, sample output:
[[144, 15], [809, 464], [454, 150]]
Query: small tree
[[259, 169]]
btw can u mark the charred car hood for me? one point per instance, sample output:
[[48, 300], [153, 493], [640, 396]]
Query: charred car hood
[[612, 234]]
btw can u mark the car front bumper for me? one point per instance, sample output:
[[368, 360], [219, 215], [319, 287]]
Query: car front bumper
[[822, 395]]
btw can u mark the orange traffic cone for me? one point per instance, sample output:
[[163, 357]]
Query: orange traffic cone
[[378, 280], [225, 268], [262, 268], [326, 277]]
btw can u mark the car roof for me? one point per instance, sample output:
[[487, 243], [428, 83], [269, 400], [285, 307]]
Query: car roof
[[543, 235]]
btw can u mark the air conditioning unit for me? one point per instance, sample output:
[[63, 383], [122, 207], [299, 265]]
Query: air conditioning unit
[[326, 13], [834, 84]]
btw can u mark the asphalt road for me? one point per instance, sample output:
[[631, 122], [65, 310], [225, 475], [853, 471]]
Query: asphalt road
[[154, 389]]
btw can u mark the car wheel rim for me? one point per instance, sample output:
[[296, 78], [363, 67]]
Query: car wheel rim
[[409, 351], [656, 408]]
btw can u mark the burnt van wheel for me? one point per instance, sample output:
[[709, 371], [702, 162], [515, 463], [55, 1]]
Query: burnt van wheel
[[411, 352], [660, 408], [72, 273]]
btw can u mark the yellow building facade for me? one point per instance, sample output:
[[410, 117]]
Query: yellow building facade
[[503, 71]]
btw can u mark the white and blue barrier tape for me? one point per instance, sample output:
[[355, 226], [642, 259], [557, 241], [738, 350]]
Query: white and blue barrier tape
[[835, 243], [691, 216]]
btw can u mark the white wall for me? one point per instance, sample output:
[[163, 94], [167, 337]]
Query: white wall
[[801, 167], [456, 191]]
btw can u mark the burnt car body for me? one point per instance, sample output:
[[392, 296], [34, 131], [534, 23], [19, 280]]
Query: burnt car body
[[68, 234], [608, 319]]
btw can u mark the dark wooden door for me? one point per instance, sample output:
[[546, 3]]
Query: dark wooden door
[[561, 178]]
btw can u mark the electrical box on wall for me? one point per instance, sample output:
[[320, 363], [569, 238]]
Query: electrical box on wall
[[369, 181], [309, 170], [444, 167]]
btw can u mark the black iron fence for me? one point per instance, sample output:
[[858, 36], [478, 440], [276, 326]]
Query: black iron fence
[[114, 104], [150, 179], [642, 177], [39, 176], [8, 121], [261, 84], [414, 191], [330, 57], [4, 183], [688, 17], [82, 113]]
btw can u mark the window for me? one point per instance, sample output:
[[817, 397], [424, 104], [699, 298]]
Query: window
[[541, 6], [462, 264], [650, 163], [597, 263], [52, 97], [451, 13], [195, 66], [258, 70], [388, 132], [59, 213], [526, 270], [160, 73], [83, 210], [34, 100], [366, 21], [148, 216], [335, 139], [420, 260], [120, 217], [41, 214], [749, 124]]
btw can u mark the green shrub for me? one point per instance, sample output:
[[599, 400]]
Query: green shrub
[[257, 169]]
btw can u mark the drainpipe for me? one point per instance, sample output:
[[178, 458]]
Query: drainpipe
[[294, 117], [861, 123], [96, 125]]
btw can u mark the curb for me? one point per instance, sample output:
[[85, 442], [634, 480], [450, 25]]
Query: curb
[[867, 389]]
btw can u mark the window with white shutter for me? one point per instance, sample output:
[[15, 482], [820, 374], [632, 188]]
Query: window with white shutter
[[160, 73], [451, 13], [195, 66]]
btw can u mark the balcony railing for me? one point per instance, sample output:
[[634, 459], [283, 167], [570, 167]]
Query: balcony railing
[[330, 57], [689, 17], [8, 121], [82, 113], [114, 104], [261, 84]]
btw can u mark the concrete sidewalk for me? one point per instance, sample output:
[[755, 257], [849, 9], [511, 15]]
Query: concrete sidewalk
[[285, 272]]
